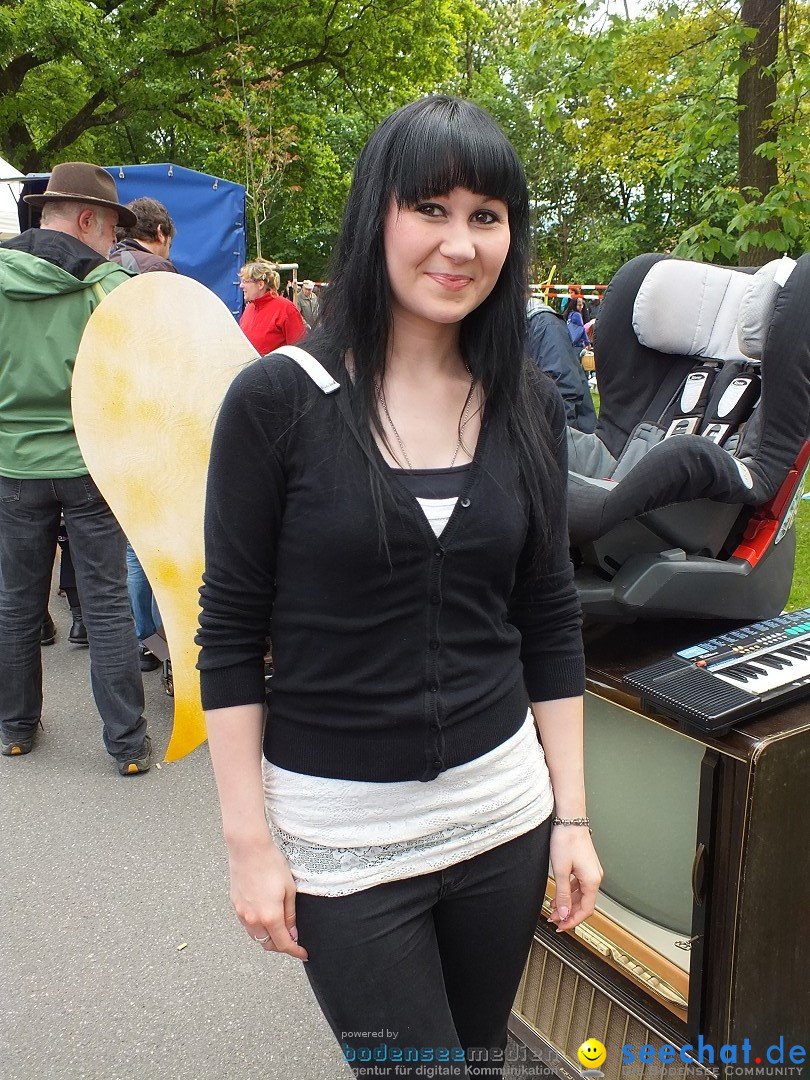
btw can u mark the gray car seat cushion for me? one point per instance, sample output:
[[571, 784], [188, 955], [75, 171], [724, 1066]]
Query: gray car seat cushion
[[756, 307], [690, 309], [588, 455], [642, 440], [679, 469]]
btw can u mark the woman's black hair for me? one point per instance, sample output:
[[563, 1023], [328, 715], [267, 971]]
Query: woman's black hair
[[422, 150]]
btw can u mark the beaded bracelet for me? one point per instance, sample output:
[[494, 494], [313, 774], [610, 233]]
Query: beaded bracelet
[[584, 821]]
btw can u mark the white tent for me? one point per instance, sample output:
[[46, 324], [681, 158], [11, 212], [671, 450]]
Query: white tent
[[9, 197]]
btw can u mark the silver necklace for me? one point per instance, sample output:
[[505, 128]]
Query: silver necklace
[[464, 419]]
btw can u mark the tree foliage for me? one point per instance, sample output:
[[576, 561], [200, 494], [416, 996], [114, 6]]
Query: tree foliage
[[655, 106], [683, 127], [181, 80]]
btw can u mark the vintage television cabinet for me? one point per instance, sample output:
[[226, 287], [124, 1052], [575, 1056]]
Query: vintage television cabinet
[[702, 931]]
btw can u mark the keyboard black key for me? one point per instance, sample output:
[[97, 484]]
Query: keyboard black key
[[750, 668], [771, 662], [777, 660], [791, 650]]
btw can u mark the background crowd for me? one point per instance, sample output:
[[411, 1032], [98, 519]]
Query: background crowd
[[53, 277]]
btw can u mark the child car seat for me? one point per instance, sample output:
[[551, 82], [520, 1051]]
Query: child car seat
[[682, 502]]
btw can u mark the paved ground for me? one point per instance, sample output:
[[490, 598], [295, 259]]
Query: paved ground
[[102, 879]]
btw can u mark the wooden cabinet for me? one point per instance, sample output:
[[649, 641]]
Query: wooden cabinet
[[703, 933]]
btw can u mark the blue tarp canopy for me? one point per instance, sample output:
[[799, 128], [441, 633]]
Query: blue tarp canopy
[[209, 214]]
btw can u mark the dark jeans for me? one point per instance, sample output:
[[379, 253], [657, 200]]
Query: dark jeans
[[29, 523], [430, 964]]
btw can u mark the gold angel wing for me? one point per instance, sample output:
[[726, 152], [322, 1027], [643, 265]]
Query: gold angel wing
[[154, 363]]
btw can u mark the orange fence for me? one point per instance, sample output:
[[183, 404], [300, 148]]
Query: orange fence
[[558, 291]]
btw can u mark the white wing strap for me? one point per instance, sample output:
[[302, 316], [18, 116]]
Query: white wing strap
[[314, 368]]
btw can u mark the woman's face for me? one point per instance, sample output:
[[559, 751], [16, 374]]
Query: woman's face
[[252, 289], [444, 255]]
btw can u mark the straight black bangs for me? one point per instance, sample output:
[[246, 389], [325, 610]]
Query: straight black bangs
[[447, 143]]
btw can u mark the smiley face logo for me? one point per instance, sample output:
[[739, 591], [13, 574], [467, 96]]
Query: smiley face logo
[[592, 1054]]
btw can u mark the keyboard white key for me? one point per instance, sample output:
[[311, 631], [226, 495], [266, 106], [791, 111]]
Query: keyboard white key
[[768, 670]]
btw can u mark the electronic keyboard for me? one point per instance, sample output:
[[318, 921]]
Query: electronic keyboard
[[731, 678]]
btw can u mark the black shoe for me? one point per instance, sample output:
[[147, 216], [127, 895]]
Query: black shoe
[[16, 747], [147, 659], [131, 766], [78, 631], [47, 633]]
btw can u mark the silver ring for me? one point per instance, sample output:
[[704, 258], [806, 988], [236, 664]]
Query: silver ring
[[261, 940]]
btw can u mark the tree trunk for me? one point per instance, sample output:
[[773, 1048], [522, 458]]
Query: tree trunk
[[756, 94]]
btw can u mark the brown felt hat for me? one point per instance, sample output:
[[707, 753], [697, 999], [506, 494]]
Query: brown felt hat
[[79, 181]]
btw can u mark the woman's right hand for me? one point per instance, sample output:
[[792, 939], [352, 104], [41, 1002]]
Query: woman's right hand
[[262, 887], [263, 897]]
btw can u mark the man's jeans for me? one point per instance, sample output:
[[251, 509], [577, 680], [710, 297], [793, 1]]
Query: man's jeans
[[29, 523], [142, 600]]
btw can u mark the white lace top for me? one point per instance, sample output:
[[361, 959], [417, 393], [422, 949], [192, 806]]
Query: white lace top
[[341, 836]]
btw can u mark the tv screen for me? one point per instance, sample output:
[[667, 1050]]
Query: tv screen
[[643, 782]]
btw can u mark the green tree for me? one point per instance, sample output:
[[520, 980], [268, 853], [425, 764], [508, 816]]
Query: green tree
[[675, 110], [147, 80], [69, 68]]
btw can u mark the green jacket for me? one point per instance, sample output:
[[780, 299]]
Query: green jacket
[[49, 285]]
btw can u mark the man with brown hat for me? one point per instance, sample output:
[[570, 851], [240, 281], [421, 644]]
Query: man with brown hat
[[51, 279]]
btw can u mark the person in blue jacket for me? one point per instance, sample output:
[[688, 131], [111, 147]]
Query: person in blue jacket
[[576, 325], [551, 349]]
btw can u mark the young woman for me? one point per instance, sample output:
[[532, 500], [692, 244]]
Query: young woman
[[576, 324], [404, 541], [269, 320]]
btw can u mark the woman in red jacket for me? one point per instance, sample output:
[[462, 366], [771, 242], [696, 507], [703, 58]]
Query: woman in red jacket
[[269, 320]]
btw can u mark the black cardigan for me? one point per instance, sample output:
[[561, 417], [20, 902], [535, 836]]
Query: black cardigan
[[388, 665]]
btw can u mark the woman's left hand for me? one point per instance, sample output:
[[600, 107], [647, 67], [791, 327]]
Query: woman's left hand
[[577, 875]]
